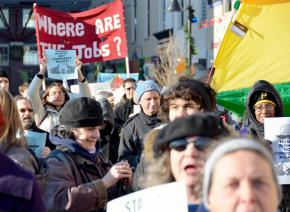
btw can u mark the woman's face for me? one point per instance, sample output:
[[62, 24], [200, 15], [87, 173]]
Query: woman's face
[[56, 96], [243, 181], [264, 110], [87, 136], [187, 165]]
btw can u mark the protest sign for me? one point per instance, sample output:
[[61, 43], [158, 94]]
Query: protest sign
[[103, 77], [61, 64], [96, 35], [277, 130], [169, 197], [36, 141]]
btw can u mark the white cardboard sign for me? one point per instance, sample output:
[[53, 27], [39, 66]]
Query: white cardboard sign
[[169, 197], [277, 130]]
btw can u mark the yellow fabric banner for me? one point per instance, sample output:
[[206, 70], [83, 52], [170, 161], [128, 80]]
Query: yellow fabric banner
[[256, 46]]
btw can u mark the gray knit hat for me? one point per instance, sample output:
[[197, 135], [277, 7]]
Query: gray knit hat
[[229, 147]]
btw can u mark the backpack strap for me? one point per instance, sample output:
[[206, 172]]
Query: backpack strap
[[45, 115]]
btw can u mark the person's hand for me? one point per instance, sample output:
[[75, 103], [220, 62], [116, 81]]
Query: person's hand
[[118, 171], [45, 152], [79, 65], [43, 65]]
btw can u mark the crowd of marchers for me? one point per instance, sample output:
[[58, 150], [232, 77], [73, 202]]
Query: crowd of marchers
[[97, 150]]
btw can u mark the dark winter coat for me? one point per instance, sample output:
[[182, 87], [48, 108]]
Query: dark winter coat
[[255, 128], [110, 138], [75, 178], [122, 111], [135, 129], [18, 189]]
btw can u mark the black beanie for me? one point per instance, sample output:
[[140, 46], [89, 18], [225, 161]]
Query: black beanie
[[4, 73], [199, 124], [81, 112]]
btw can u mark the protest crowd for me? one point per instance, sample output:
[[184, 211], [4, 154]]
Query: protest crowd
[[94, 152], [79, 151]]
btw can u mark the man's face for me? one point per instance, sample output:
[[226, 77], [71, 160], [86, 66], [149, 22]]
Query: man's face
[[179, 108], [4, 83], [25, 112], [150, 102], [129, 90]]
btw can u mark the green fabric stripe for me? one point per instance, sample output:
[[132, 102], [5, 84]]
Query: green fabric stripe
[[235, 100]]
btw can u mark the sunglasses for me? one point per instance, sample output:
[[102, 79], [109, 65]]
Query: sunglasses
[[200, 143]]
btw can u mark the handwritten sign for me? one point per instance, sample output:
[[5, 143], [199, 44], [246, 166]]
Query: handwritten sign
[[169, 197], [61, 64], [36, 141], [277, 130]]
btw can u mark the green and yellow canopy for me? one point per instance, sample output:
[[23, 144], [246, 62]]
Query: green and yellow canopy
[[256, 46]]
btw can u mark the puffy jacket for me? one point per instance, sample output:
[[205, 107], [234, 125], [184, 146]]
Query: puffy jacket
[[135, 129], [46, 115]]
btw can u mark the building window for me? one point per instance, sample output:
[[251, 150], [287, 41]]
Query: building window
[[203, 9], [148, 19], [182, 14], [135, 20], [4, 17], [30, 54], [27, 14], [4, 55]]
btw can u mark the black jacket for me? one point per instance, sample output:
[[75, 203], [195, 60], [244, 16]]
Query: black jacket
[[122, 111], [255, 128], [131, 144]]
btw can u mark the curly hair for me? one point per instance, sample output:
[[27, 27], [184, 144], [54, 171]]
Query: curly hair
[[189, 89]]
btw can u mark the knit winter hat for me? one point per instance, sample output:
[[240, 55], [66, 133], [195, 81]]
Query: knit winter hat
[[229, 147], [4, 73], [199, 124], [145, 86], [81, 112]]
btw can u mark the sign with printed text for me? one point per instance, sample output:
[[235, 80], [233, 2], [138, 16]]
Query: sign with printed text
[[61, 64], [36, 141], [96, 35], [277, 130], [169, 197]]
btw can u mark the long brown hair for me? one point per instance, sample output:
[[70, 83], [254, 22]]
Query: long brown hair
[[12, 132], [46, 93]]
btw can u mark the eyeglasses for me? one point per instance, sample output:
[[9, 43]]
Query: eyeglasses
[[200, 143], [260, 107], [56, 94], [22, 110]]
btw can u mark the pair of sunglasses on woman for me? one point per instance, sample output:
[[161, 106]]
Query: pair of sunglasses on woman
[[200, 143]]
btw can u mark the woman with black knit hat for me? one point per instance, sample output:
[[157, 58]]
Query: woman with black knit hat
[[263, 101], [179, 151], [81, 178]]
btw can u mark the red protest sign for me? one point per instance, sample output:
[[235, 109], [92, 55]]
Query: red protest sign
[[96, 35]]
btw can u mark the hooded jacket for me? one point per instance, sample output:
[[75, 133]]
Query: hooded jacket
[[256, 128]]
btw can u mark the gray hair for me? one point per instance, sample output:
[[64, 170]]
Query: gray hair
[[230, 147]]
